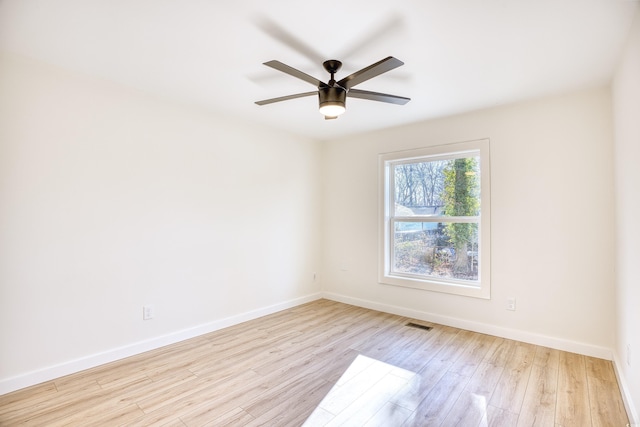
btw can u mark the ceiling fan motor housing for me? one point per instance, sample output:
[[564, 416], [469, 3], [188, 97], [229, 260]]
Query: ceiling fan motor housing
[[332, 96]]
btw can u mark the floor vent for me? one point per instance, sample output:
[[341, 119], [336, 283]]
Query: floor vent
[[418, 326]]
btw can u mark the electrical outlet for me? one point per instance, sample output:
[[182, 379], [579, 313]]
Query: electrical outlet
[[148, 312], [511, 303]]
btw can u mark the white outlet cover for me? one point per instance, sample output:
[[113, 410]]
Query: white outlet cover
[[147, 312]]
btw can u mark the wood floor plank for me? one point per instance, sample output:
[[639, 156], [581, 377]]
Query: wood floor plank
[[57, 406], [173, 423], [302, 399], [383, 341], [546, 356], [14, 404], [417, 389], [402, 354], [115, 416], [607, 408], [369, 404], [389, 415], [573, 394], [456, 347], [501, 351], [439, 337], [511, 387], [292, 393], [436, 405], [471, 407], [233, 418], [599, 368], [497, 417], [277, 370], [539, 405], [477, 348]]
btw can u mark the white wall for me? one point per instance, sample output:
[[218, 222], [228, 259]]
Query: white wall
[[626, 113], [111, 199], [552, 223]]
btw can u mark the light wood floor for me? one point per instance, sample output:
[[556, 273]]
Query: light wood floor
[[326, 363]]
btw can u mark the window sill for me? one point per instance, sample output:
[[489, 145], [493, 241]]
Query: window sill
[[448, 287]]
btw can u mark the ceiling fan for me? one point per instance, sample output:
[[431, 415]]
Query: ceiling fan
[[332, 95]]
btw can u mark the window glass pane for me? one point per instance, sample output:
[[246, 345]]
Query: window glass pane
[[436, 249], [440, 187]]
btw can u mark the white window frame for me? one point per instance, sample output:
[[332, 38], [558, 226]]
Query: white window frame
[[480, 288]]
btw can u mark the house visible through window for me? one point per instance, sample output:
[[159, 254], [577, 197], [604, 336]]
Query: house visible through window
[[435, 218]]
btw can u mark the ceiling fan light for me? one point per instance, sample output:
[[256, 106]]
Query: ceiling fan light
[[332, 101], [332, 110]]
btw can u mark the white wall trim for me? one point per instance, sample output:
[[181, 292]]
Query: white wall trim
[[56, 371], [499, 331], [624, 390]]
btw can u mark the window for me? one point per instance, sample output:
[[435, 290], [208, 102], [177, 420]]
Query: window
[[435, 207]]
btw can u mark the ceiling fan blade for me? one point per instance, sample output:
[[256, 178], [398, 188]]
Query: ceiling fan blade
[[377, 96], [280, 34], [295, 73], [285, 98], [387, 64]]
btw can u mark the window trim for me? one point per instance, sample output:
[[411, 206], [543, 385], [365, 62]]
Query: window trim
[[479, 289]]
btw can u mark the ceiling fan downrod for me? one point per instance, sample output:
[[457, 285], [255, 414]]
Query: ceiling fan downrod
[[332, 66]]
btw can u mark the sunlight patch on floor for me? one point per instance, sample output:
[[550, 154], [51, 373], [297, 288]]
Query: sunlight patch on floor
[[367, 394]]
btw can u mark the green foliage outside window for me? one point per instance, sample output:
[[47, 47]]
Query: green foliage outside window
[[461, 198]]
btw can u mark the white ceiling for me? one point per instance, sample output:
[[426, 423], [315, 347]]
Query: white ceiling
[[459, 55]]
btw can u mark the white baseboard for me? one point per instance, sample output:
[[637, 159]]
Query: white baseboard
[[52, 372], [484, 328], [624, 390]]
